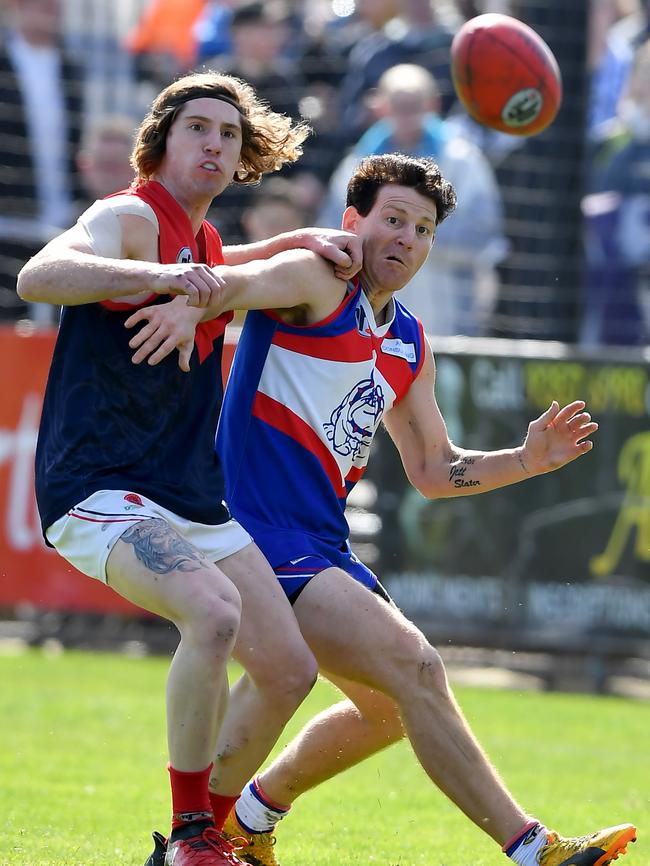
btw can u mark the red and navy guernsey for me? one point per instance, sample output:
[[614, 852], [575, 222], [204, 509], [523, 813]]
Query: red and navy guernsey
[[108, 424]]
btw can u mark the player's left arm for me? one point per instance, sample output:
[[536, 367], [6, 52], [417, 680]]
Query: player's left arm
[[341, 248], [438, 468]]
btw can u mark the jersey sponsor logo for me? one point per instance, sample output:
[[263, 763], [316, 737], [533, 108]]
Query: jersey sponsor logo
[[352, 424], [134, 499], [184, 256], [399, 349]]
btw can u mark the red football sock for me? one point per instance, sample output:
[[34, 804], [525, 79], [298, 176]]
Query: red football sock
[[190, 801], [221, 807]]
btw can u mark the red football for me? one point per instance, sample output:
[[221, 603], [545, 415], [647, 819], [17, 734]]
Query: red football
[[505, 74]]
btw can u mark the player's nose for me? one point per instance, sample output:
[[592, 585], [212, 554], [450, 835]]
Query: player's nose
[[407, 236], [213, 144]]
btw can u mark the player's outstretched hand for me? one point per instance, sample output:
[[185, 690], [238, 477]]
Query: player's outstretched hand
[[341, 248], [199, 282], [557, 437], [167, 327]]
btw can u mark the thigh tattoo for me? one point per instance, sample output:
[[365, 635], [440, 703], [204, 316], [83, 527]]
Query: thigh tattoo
[[161, 548]]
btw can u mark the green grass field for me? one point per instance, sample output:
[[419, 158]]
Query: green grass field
[[83, 772]]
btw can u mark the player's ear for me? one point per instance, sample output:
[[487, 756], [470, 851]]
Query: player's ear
[[350, 219]]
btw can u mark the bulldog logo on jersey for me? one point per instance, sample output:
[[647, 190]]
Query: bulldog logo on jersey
[[184, 256], [353, 422]]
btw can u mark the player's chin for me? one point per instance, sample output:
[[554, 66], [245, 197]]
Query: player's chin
[[213, 182], [395, 282], [396, 274], [217, 186]]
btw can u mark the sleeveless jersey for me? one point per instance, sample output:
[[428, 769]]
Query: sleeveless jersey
[[109, 424], [300, 412]]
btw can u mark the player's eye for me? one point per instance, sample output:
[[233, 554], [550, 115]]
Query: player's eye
[[392, 220], [196, 127], [424, 230]]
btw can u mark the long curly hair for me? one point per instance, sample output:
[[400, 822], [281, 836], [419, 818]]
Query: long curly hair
[[269, 140]]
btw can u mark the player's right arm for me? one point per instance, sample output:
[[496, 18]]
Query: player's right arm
[[289, 280], [109, 257], [298, 285]]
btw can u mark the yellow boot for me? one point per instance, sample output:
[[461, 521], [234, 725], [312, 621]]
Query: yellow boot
[[259, 847], [598, 849]]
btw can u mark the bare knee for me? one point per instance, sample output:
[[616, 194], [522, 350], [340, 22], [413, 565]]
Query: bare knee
[[210, 618], [416, 667], [298, 678], [285, 678], [431, 673]]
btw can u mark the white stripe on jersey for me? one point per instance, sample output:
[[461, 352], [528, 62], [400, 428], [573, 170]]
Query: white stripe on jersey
[[320, 390]]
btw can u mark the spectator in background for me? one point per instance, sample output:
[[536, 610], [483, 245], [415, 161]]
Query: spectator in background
[[212, 30], [41, 104], [275, 207], [496, 146], [322, 151], [330, 41], [274, 210], [454, 292], [617, 222], [422, 34], [323, 53], [104, 160], [164, 41], [617, 28], [258, 34]]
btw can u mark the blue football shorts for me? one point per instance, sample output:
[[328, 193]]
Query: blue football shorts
[[295, 573]]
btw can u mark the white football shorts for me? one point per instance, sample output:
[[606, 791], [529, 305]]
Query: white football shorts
[[87, 533]]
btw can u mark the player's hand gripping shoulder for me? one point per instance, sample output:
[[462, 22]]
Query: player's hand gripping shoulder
[[557, 437], [341, 248]]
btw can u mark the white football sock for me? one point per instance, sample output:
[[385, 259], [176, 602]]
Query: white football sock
[[525, 850], [256, 812]]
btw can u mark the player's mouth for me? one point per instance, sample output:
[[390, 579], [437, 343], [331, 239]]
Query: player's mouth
[[210, 166], [396, 259]]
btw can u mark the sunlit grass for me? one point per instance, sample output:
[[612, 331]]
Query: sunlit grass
[[84, 782]]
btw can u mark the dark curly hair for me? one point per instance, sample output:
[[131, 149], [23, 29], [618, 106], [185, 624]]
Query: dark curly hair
[[421, 174], [269, 139]]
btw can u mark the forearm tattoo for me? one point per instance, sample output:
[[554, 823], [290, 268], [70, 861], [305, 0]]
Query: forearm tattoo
[[162, 549], [458, 473]]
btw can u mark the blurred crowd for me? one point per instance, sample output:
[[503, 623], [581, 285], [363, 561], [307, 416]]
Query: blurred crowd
[[551, 237]]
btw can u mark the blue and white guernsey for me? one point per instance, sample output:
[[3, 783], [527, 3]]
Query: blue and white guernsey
[[299, 415]]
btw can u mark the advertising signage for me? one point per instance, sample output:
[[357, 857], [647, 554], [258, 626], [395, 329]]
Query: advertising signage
[[566, 553]]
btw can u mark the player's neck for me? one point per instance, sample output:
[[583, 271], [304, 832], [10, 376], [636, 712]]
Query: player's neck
[[379, 301], [195, 210]]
